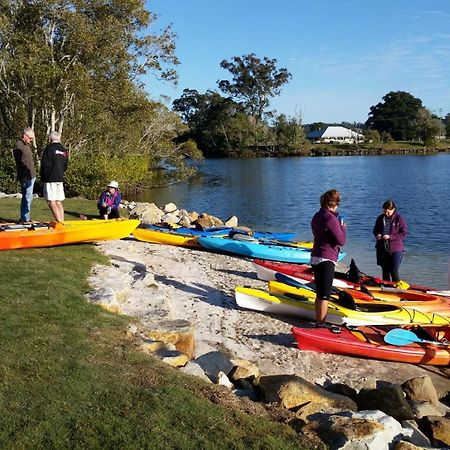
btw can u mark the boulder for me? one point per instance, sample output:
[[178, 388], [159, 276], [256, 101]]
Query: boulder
[[214, 362], [357, 430], [178, 332], [343, 389], [292, 391], [185, 220], [170, 218], [223, 380], [208, 221], [192, 368], [170, 208], [173, 358], [420, 389], [231, 222], [417, 437], [422, 409], [437, 429], [147, 212], [193, 216], [389, 398], [244, 370]]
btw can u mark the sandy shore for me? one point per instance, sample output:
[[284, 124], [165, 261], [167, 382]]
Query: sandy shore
[[199, 286]]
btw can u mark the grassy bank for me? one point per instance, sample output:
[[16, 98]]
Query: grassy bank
[[71, 378]]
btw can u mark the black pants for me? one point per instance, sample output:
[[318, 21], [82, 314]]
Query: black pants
[[114, 214], [323, 277]]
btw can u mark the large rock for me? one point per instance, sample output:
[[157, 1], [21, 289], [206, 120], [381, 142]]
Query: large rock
[[192, 368], [371, 430], [231, 222], [244, 369], [207, 221], [437, 429], [420, 389], [292, 391], [417, 437], [147, 212], [422, 409], [213, 363], [170, 208], [388, 398], [178, 332]]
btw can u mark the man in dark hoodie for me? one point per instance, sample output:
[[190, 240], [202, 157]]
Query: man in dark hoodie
[[53, 165], [26, 173]]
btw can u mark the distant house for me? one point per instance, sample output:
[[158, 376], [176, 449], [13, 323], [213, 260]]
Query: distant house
[[335, 135]]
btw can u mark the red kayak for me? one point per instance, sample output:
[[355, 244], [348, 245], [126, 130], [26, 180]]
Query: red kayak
[[266, 270], [368, 342]]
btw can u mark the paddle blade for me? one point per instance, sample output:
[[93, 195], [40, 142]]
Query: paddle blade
[[399, 337], [282, 278]]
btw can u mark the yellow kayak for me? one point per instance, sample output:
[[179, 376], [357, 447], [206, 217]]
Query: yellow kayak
[[365, 314], [162, 237], [432, 304]]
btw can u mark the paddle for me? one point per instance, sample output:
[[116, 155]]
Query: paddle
[[282, 278], [399, 337]]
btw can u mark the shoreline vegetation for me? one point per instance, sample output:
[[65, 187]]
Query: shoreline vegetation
[[71, 376]]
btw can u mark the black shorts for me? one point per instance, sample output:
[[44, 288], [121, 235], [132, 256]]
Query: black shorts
[[323, 276]]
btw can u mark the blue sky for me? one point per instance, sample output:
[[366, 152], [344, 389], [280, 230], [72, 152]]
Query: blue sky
[[344, 55]]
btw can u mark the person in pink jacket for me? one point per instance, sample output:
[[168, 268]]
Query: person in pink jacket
[[329, 236]]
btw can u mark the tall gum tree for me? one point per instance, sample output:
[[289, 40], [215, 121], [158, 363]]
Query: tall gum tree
[[57, 55], [254, 82]]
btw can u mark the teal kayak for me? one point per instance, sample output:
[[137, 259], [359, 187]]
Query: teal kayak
[[252, 249]]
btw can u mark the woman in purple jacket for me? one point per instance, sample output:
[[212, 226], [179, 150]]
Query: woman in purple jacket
[[329, 235], [390, 229]]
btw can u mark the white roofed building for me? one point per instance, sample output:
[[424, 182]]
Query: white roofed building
[[335, 135]]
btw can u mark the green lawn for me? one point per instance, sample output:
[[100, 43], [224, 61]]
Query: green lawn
[[71, 378]]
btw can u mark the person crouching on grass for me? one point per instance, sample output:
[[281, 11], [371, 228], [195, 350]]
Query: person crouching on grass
[[109, 201], [329, 235]]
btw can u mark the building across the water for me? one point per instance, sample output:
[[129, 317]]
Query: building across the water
[[335, 135]]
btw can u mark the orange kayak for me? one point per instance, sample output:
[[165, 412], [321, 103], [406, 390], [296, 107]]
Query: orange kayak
[[49, 234]]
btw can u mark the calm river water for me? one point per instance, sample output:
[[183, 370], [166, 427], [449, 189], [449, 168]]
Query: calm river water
[[282, 194]]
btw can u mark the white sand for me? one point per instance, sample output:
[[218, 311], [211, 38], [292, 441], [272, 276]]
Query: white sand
[[199, 286]]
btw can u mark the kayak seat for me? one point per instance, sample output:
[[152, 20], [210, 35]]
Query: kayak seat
[[347, 301]]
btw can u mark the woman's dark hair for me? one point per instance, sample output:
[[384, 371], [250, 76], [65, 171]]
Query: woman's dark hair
[[389, 204], [330, 199]]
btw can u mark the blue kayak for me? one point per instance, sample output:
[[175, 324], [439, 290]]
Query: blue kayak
[[251, 249], [221, 231]]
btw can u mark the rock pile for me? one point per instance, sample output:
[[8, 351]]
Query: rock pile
[[171, 215]]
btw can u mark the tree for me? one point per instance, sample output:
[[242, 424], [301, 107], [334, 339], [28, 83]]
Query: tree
[[76, 66], [447, 125], [254, 82], [430, 127], [212, 120], [397, 115], [289, 133]]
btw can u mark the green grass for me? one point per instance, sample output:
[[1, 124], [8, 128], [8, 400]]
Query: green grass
[[71, 378]]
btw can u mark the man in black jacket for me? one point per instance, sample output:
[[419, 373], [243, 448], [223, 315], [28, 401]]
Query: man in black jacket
[[53, 165], [26, 173]]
